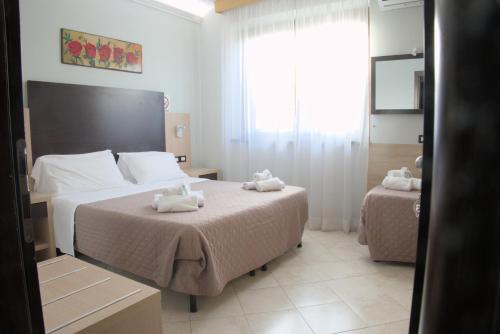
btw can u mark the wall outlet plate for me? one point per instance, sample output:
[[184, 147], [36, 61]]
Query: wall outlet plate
[[421, 139], [181, 158]]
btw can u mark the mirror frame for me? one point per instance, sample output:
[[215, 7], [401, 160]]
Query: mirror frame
[[375, 111]]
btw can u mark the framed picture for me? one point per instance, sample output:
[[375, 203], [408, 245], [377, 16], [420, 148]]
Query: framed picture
[[83, 49]]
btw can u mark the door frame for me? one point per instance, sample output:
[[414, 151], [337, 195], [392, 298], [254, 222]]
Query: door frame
[[20, 305]]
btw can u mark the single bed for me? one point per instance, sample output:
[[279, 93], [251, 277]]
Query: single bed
[[389, 225], [195, 253]]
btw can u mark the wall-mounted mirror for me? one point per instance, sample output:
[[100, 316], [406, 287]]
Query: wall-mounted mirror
[[398, 84]]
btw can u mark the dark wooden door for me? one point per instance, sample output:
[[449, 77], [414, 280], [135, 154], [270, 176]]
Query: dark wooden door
[[462, 273], [20, 308]]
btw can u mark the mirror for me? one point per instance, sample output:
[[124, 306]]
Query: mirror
[[398, 84]]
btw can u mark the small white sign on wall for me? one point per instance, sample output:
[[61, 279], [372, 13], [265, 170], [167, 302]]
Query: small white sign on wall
[[166, 102]]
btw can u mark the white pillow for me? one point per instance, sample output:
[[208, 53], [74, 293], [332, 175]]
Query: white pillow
[[149, 168], [76, 172], [122, 164]]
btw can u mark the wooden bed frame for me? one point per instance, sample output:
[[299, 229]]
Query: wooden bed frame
[[72, 119]]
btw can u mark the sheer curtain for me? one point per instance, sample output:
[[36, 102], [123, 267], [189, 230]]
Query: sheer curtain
[[295, 80]]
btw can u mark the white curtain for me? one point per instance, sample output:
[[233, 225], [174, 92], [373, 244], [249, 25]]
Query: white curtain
[[295, 80]]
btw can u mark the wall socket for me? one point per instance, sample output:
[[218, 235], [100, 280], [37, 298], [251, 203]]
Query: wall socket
[[421, 139], [181, 158]]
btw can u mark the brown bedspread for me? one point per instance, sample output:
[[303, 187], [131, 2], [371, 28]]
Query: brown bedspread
[[388, 224], [193, 252]]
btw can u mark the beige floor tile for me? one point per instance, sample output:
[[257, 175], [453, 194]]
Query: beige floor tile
[[341, 269], [348, 253], [400, 327], [297, 274], [175, 306], [402, 296], [282, 322], [178, 327], [379, 310], [312, 252], [224, 305], [311, 294], [290, 258], [264, 300], [331, 318], [262, 279], [362, 288], [231, 325]]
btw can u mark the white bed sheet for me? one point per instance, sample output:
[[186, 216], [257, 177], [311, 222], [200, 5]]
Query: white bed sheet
[[65, 205]]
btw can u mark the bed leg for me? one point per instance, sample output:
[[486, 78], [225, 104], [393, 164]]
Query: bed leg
[[299, 245], [252, 273], [264, 267], [193, 304]]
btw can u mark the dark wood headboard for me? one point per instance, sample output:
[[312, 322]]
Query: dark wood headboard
[[71, 119]]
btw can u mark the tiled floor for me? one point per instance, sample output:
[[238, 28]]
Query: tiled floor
[[328, 286]]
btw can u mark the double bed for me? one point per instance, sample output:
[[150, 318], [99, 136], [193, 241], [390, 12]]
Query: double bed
[[196, 253]]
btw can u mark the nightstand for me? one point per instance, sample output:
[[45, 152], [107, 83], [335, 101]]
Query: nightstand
[[204, 173], [41, 214]]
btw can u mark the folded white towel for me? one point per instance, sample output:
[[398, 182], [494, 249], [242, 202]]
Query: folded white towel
[[251, 185], [401, 183], [416, 184], [178, 203], [156, 200], [261, 176], [200, 195], [403, 172], [273, 184], [181, 189]]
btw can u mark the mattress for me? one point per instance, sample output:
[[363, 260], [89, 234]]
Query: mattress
[[389, 225], [193, 252]]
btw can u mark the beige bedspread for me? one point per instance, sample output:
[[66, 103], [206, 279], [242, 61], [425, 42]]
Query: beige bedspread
[[193, 252], [388, 225]]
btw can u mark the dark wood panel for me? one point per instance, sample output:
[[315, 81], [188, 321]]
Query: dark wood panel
[[70, 119]]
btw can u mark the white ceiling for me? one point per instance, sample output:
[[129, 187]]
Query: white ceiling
[[196, 7]]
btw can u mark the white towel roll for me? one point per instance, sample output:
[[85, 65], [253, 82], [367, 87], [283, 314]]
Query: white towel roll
[[403, 172], [181, 189], [261, 176], [200, 195], [416, 184], [273, 184], [251, 185], [156, 200], [397, 183], [178, 203]]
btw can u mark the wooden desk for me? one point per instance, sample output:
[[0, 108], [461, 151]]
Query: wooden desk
[[78, 297]]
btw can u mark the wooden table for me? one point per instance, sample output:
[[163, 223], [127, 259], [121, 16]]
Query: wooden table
[[78, 297]]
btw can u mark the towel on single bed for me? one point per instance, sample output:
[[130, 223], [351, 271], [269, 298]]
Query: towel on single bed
[[273, 184], [263, 182], [403, 172], [401, 183]]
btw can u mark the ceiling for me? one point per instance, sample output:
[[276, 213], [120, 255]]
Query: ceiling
[[196, 7]]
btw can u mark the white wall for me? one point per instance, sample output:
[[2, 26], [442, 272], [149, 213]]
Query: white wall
[[211, 87], [395, 32], [170, 49]]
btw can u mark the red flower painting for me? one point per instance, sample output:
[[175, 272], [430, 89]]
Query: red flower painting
[[75, 48], [104, 53], [131, 58], [117, 55], [90, 50], [83, 49]]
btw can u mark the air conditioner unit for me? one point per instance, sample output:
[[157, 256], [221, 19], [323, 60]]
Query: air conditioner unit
[[396, 4]]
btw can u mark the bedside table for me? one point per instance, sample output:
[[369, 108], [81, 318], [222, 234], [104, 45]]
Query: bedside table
[[41, 214], [204, 173]]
